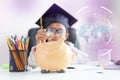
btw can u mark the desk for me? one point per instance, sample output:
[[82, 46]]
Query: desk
[[71, 74]]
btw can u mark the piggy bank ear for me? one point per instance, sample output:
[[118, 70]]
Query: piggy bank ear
[[60, 42]]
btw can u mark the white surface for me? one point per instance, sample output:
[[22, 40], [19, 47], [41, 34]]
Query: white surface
[[83, 72]]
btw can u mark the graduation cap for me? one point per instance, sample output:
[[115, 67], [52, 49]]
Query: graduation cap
[[56, 14]]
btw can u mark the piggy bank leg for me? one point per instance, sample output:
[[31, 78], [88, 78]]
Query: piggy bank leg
[[61, 71], [45, 71]]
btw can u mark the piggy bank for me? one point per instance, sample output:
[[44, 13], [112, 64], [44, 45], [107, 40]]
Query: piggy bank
[[53, 56]]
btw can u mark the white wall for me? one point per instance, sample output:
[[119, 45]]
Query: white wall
[[17, 19], [116, 31]]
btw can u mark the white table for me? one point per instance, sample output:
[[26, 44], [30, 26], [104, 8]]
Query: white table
[[83, 72]]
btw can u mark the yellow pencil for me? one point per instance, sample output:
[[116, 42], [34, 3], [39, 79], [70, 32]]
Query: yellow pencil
[[8, 42], [41, 26], [27, 42]]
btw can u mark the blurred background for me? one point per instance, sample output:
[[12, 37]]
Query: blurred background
[[97, 29]]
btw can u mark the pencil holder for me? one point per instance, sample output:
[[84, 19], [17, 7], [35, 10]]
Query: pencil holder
[[18, 61]]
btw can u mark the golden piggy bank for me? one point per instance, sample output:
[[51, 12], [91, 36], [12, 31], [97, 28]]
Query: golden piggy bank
[[53, 56]]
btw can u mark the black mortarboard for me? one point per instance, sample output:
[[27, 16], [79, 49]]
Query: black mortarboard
[[56, 14]]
